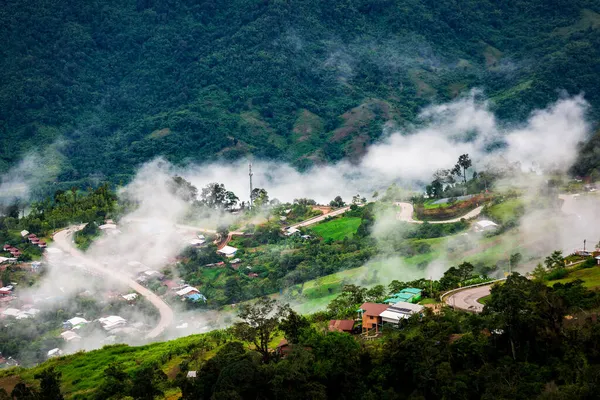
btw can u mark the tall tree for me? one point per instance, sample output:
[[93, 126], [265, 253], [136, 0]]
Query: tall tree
[[259, 197], [461, 167], [259, 323]]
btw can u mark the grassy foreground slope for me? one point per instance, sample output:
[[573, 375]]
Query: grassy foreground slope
[[115, 83]]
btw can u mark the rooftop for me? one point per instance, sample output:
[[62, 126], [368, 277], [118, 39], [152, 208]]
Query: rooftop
[[374, 309], [341, 325]]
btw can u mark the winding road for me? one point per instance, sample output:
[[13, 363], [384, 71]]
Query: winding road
[[467, 299], [63, 239], [407, 210]]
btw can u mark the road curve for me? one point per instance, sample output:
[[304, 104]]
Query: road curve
[[407, 210], [467, 299], [320, 218], [63, 239]]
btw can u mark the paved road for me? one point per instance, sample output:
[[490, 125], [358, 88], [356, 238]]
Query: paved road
[[64, 240], [320, 218], [407, 210], [467, 299]]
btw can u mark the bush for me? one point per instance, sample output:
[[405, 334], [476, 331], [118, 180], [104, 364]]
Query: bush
[[558, 273]]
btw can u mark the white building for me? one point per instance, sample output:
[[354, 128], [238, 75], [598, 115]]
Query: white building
[[24, 233], [291, 231], [130, 296], [55, 353], [70, 336], [111, 322], [485, 225], [399, 311], [228, 251], [76, 322], [187, 290]]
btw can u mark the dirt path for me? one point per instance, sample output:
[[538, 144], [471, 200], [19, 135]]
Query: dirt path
[[64, 240], [407, 210], [320, 218]]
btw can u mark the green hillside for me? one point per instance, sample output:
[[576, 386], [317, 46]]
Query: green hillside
[[114, 83]]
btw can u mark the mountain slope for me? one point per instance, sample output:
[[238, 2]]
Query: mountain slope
[[120, 82]]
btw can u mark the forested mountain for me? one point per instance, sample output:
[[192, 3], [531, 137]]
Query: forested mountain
[[114, 83]]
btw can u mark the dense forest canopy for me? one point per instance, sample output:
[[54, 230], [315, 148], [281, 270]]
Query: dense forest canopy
[[114, 83]]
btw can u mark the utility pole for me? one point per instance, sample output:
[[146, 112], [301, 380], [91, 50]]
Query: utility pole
[[250, 175], [584, 245]]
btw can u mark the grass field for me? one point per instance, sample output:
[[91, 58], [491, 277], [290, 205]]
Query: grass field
[[337, 229], [589, 276], [505, 211]]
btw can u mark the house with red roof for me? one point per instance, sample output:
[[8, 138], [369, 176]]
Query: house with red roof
[[370, 313], [341, 325]]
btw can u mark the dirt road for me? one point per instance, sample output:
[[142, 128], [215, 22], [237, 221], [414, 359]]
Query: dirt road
[[407, 210], [64, 240], [320, 218]]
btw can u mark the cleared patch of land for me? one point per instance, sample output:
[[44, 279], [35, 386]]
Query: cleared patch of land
[[337, 229]]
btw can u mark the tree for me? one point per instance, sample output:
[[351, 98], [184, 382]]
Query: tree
[[337, 202], [259, 197], [23, 392], [554, 260], [146, 381], [49, 384], [293, 325], [182, 189], [214, 195], [539, 273], [515, 259], [116, 383], [460, 169], [259, 323]]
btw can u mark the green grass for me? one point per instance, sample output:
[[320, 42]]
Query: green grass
[[428, 301], [484, 299], [429, 204], [505, 211], [337, 229], [589, 276]]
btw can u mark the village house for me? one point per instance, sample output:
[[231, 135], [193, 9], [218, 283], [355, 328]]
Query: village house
[[370, 315], [130, 297], [196, 297], [484, 226], [341, 325], [54, 353], [75, 323], [111, 322], [42, 244], [24, 233], [409, 295], [227, 251], [70, 336], [291, 231], [400, 311], [187, 291]]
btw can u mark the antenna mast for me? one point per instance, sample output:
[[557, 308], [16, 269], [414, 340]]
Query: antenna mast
[[250, 175]]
